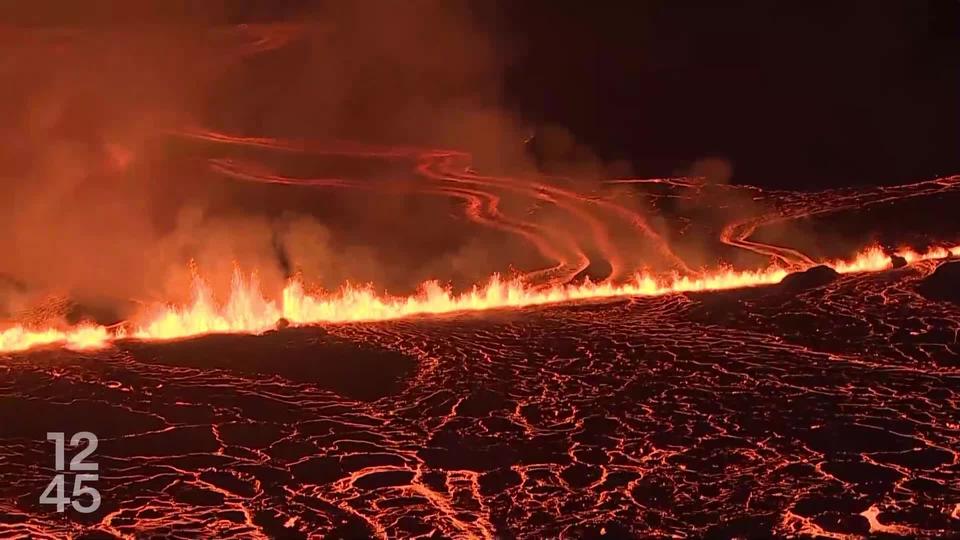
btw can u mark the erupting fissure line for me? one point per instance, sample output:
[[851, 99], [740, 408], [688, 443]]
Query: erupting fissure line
[[448, 173], [248, 311]]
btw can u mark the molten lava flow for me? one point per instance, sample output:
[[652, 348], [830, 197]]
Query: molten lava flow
[[248, 311], [82, 337], [874, 259], [869, 260]]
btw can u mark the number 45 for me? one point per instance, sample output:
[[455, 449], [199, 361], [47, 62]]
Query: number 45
[[78, 489]]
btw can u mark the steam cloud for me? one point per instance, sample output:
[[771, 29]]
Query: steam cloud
[[104, 206]]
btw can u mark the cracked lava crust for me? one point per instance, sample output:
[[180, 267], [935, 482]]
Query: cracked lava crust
[[831, 410]]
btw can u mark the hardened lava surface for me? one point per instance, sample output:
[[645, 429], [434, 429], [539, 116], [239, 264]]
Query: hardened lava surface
[[827, 409]]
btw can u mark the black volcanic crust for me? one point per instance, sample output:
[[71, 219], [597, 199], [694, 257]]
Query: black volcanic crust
[[810, 278], [303, 355], [943, 283]]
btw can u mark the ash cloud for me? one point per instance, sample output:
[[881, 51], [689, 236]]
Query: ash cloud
[[107, 205], [103, 205]]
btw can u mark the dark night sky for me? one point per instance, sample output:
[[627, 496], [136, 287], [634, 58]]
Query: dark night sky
[[793, 94]]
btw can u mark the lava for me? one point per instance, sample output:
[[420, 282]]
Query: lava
[[18, 338], [247, 310], [621, 407]]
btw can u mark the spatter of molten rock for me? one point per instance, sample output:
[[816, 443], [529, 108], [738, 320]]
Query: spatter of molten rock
[[81, 337], [248, 311]]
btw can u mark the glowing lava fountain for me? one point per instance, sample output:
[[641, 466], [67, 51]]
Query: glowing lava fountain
[[248, 311]]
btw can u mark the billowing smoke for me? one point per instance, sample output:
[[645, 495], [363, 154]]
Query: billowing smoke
[[110, 193], [105, 204]]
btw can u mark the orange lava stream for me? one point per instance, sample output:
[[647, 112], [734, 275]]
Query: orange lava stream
[[81, 337], [248, 311]]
